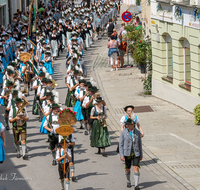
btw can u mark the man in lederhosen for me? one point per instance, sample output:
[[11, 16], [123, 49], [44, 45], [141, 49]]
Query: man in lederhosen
[[130, 149], [19, 126]]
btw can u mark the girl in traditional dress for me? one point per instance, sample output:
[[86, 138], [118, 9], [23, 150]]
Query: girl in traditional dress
[[72, 83], [54, 43], [2, 143], [49, 62], [46, 108], [62, 37], [87, 39], [42, 51], [90, 29], [78, 94], [100, 136]]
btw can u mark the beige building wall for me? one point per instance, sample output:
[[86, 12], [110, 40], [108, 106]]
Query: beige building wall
[[176, 90]]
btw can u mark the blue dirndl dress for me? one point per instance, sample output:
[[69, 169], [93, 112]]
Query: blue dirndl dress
[[2, 100], [42, 129], [4, 62], [42, 57], [77, 109], [49, 68], [1, 76], [2, 150]]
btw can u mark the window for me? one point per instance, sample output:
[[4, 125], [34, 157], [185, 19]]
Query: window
[[187, 64], [169, 56]]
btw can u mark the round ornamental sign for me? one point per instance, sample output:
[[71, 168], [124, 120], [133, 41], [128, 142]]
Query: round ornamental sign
[[126, 16]]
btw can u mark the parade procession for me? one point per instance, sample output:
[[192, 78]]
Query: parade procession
[[29, 51]]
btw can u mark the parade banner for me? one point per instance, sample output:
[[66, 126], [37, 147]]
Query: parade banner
[[32, 32]]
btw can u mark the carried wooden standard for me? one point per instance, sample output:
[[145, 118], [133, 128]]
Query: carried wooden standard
[[65, 120], [25, 57]]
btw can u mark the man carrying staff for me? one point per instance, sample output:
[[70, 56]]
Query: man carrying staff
[[19, 126], [130, 149], [51, 124]]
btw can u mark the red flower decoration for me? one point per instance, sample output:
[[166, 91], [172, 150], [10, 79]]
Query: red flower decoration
[[60, 116], [70, 111], [74, 113], [51, 121], [62, 111], [140, 41], [147, 36], [65, 109]]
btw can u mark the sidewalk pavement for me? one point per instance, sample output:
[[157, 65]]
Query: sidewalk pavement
[[171, 138]]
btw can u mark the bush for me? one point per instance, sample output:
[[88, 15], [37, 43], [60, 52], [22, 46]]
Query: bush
[[147, 84], [197, 114]]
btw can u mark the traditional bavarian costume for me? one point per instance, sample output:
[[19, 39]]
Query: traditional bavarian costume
[[19, 128], [80, 92], [54, 44], [2, 150], [53, 136], [70, 98], [60, 153], [100, 137]]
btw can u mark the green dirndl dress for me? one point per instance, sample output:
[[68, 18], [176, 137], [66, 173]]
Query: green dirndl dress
[[70, 101], [100, 137]]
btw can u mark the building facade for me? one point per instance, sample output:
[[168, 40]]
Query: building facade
[[175, 37], [4, 16]]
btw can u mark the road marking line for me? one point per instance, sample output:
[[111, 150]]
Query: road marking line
[[185, 141]]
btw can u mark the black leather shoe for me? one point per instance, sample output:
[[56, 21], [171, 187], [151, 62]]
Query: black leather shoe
[[81, 127], [25, 157], [7, 128], [129, 185], [86, 133], [54, 163], [137, 188], [18, 155], [73, 178], [99, 151]]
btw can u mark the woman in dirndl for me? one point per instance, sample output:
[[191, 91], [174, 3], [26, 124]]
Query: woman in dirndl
[[49, 63], [42, 51], [69, 32], [100, 137], [72, 83], [77, 107], [90, 29], [46, 106], [54, 43], [2, 143]]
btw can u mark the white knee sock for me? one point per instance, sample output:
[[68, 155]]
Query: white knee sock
[[136, 177], [66, 185], [24, 149]]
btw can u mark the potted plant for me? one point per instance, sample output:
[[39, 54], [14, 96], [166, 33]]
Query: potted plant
[[197, 114]]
